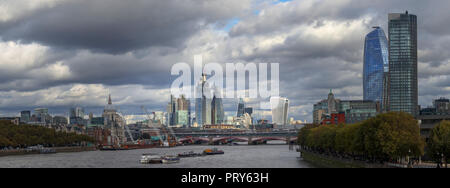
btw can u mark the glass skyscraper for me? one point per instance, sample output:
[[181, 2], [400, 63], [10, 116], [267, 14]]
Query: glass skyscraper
[[280, 110], [403, 83], [203, 109], [376, 65], [241, 107]]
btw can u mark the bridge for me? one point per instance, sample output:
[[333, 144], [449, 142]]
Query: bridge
[[214, 138]]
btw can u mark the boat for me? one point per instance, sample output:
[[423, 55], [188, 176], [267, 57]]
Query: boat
[[47, 151], [190, 154], [170, 159], [213, 151], [150, 159], [110, 148]]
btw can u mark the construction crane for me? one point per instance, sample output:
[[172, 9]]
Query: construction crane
[[167, 131], [127, 128]]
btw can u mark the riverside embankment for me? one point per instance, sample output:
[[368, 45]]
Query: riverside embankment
[[57, 149], [327, 161]]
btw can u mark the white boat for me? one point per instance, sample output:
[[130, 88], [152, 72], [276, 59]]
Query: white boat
[[150, 159], [170, 159]]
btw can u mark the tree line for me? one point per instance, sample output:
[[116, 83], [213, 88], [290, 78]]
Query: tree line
[[439, 143], [23, 136], [386, 137]]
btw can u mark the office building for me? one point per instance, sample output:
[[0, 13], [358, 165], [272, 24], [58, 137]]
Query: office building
[[280, 110], [403, 84], [376, 66], [25, 116], [241, 107]]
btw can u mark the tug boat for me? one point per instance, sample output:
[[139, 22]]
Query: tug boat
[[213, 151]]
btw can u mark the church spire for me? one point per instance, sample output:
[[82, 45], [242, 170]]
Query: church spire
[[109, 100]]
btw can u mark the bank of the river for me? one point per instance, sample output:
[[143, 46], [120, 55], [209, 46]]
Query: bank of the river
[[57, 149], [324, 161]]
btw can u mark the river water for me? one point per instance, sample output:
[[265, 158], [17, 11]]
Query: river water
[[240, 156]]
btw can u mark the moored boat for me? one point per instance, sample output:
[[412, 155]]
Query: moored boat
[[151, 159], [213, 151], [170, 159], [190, 154]]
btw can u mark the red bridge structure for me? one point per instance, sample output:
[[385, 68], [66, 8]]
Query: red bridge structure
[[251, 138]]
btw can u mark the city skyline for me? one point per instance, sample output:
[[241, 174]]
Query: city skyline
[[59, 73]]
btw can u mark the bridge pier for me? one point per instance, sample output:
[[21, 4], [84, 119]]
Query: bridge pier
[[250, 142], [211, 141]]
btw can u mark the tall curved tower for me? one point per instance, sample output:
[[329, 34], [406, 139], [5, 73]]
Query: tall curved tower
[[376, 66]]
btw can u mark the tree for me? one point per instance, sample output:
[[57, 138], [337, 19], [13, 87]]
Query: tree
[[439, 142]]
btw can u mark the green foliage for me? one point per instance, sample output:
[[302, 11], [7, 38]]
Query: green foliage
[[29, 135], [386, 136], [439, 142]]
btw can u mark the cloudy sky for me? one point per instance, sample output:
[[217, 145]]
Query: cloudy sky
[[63, 53]]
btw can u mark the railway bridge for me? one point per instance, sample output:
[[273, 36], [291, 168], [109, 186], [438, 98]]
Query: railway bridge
[[214, 138]]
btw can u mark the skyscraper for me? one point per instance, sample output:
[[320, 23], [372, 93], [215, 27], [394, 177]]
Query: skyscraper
[[376, 65], [403, 84], [217, 114], [203, 102], [172, 111], [183, 111], [241, 107], [25, 116], [77, 116], [280, 110]]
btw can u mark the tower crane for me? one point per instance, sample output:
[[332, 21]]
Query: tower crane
[[167, 131]]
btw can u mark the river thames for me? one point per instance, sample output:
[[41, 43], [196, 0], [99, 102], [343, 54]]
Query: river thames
[[240, 156]]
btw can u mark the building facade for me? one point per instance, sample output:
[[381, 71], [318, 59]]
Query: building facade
[[333, 110], [241, 108], [403, 84], [25, 116], [280, 110], [203, 102], [376, 66], [217, 114]]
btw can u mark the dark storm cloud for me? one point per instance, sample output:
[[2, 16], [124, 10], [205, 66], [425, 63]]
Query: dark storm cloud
[[319, 44], [313, 65], [117, 26]]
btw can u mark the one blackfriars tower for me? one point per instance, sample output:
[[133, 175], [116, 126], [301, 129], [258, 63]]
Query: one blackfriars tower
[[376, 67], [403, 87]]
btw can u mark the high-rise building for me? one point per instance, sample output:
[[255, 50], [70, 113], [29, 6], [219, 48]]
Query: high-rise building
[[241, 107], [442, 106], [248, 111], [376, 66], [203, 102], [280, 110], [403, 84], [172, 111], [77, 116], [182, 112], [41, 114], [25, 116], [217, 113]]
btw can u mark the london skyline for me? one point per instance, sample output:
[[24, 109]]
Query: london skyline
[[55, 55]]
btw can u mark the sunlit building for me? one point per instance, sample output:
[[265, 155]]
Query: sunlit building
[[280, 110]]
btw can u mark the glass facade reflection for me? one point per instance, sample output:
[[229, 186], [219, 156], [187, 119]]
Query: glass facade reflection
[[376, 65], [403, 63]]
